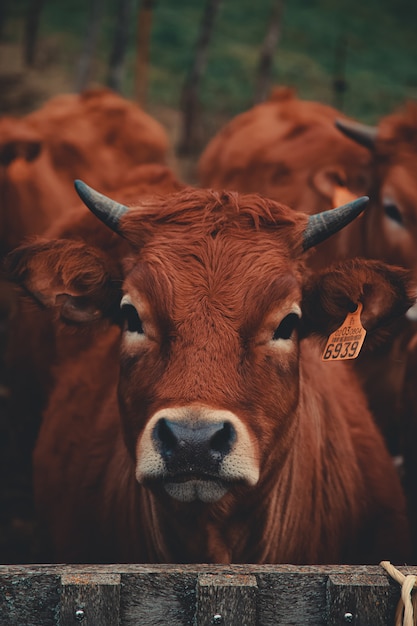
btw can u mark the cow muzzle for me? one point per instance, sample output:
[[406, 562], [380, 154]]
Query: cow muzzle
[[196, 453]]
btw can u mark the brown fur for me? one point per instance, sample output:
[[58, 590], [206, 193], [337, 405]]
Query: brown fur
[[96, 135], [215, 269], [290, 150], [409, 422]]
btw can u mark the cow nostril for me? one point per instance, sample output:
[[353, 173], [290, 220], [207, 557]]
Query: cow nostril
[[165, 437], [181, 442], [223, 439]]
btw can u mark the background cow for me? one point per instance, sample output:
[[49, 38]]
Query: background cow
[[389, 227], [218, 434], [97, 134], [114, 144], [388, 231], [290, 150]]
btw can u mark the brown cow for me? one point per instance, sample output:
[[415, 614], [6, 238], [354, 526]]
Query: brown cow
[[208, 429], [389, 226], [388, 231], [97, 134]]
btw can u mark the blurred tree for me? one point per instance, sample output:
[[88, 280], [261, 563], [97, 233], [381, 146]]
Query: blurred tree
[[190, 105], [339, 82], [31, 31], [269, 45], [120, 45], [85, 63], [4, 7], [143, 44]]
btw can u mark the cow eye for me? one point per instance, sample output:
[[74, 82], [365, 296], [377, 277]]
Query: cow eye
[[393, 212], [287, 327], [133, 323]]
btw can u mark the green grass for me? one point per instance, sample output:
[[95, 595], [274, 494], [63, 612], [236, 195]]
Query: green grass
[[381, 52], [381, 49]]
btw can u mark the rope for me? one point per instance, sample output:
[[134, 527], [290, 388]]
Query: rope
[[404, 615]]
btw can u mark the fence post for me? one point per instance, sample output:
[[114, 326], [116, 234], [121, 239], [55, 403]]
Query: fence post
[[226, 599], [360, 599], [90, 599]]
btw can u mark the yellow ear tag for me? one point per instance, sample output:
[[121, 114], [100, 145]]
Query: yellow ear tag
[[346, 342]]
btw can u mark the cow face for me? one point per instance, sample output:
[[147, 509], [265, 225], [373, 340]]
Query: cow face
[[392, 220], [213, 305], [196, 353], [390, 224]]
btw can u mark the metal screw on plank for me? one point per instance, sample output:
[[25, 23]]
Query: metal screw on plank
[[79, 615], [217, 619], [348, 617]]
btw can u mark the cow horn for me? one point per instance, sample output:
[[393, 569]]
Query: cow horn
[[320, 226], [361, 133], [107, 210]]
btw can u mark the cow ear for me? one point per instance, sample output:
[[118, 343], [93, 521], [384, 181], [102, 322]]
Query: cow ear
[[386, 293], [328, 180], [80, 282]]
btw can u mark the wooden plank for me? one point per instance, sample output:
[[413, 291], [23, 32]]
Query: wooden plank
[[158, 598], [28, 599], [292, 598], [158, 595], [361, 600], [226, 599], [90, 599], [195, 569]]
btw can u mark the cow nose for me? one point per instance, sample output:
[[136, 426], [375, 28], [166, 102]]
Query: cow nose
[[189, 447]]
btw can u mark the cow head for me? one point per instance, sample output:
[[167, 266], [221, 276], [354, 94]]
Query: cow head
[[286, 149], [214, 301], [390, 224]]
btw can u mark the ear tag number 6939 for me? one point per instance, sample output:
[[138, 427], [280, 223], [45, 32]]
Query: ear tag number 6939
[[346, 342]]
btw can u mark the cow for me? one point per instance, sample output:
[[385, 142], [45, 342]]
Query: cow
[[388, 231], [192, 418], [389, 227], [290, 150], [96, 134]]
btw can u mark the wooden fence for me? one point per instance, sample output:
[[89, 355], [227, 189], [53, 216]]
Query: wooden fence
[[197, 595]]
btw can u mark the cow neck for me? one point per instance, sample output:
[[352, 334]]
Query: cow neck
[[201, 533], [271, 518], [320, 464]]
